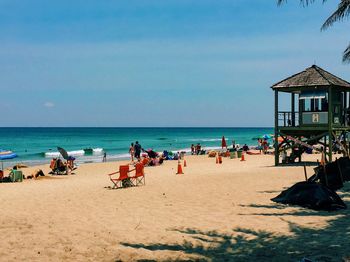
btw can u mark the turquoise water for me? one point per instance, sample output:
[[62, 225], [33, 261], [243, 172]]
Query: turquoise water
[[31, 144]]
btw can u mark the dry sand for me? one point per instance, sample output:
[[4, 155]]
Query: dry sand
[[211, 213]]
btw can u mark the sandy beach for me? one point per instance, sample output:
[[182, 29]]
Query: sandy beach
[[212, 212]]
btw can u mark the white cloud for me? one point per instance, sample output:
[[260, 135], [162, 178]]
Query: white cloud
[[49, 104]]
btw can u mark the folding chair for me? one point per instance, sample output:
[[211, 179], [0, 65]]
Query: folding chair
[[139, 178], [123, 175]]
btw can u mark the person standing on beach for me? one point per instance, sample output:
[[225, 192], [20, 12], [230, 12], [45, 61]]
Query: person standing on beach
[[132, 151], [198, 149], [192, 149], [260, 145], [104, 159], [137, 149]]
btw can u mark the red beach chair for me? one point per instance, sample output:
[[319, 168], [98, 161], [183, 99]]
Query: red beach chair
[[139, 178], [123, 175]]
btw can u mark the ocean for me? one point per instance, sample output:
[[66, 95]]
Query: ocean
[[38, 145]]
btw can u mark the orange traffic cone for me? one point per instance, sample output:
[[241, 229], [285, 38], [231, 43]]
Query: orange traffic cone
[[185, 164], [242, 158], [179, 168], [220, 159]]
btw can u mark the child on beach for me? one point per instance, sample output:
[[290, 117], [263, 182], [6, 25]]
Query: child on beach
[[260, 146], [132, 151]]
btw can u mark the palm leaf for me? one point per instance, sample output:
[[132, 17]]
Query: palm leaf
[[342, 12], [303, 2], [346, 55]]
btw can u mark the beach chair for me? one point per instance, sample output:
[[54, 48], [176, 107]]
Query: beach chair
[[139, 178], [145, 161], [123, 176], [16, 175]]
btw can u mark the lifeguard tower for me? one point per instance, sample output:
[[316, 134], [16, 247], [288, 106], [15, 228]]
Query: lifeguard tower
[[319, 114]]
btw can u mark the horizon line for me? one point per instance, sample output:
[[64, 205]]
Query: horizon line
[[136, 127]]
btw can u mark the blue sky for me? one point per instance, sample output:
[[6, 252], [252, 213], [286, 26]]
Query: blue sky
[[156, 62]]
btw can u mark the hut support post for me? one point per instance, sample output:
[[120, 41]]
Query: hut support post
[[325, 152], [276, 130], [293, 108], [330, 147], [345, 106], [330, 123]]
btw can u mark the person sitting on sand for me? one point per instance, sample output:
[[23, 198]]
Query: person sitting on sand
[[70, 163], [36, 174], [151, 153], [245, 148], [53, 163]]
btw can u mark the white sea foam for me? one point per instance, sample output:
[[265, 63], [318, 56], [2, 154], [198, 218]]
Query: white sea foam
[[204, 139], [97, 150], [52, 154], [74, 153]]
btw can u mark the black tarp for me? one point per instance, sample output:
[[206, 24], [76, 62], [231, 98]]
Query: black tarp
[[311, 195]]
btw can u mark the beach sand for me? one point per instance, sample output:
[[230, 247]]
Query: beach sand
[[211, 213]]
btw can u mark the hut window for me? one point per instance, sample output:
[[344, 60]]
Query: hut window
[[314, 101], [307, 105], [324, 104]]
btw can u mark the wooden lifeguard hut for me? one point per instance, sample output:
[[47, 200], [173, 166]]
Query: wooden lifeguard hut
[[318, 117]]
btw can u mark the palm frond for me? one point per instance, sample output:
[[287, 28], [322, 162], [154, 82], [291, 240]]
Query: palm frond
[[303, 2], [342, 12], [346, 55]]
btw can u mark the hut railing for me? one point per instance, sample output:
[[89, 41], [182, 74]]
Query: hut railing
[[288, 119]]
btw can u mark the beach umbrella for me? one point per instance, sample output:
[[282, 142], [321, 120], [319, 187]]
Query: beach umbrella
[[266, 136], [5, 155], [63, 153], [223, 142]]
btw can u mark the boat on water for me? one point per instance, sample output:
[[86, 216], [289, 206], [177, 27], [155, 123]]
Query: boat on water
[[7, 154]]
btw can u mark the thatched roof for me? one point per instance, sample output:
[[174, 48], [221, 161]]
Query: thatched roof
[[313, 76]]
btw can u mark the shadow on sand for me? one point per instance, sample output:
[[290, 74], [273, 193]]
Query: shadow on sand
[[331, 243]]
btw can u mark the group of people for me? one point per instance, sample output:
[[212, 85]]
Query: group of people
[[58, 167], [135, 151], [149, 157], [263, 145], [196, 149], [6, 179]]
